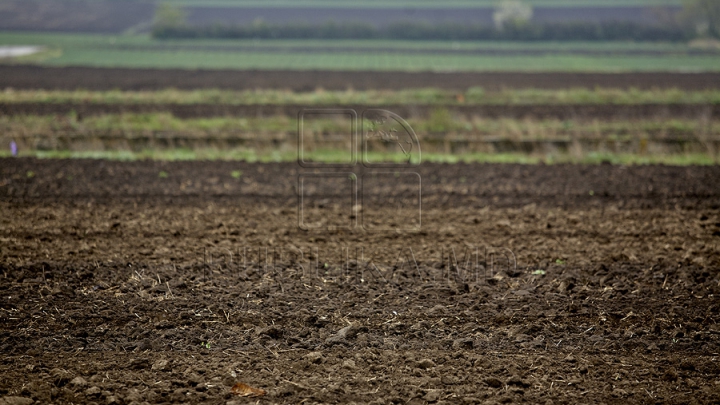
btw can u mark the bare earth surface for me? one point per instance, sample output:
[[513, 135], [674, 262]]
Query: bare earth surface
[[158, 282], [90, 78]]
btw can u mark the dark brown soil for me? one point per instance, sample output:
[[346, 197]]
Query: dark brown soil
[[35, 77], [559, 111], [132, 282]]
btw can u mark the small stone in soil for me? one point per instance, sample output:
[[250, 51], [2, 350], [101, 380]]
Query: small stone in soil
[[160, 365], [15, 401], [314, 357], [493, 382], [426, 364], [93, 391], [465, 343]]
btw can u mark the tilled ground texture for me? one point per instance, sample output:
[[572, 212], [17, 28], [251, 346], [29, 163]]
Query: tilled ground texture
[[91, 78], [158, 282]]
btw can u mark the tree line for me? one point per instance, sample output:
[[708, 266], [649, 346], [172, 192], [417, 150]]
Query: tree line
[[512, 22], [526, 31]]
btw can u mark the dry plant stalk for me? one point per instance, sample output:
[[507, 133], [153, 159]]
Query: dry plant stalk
[[244, 390]]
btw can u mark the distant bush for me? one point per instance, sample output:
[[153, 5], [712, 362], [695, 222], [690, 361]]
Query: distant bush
[[475, 94], [702, 17], [440, 121], [169, 16], [510, 31]]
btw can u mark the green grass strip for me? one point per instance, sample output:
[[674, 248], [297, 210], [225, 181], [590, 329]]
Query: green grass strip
[[332, 156]]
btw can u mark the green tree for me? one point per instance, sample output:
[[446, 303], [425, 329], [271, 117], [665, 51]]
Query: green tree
[[169, 16], [703, 17], [512, 12]]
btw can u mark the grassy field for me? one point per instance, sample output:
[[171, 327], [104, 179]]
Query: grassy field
[[440, 123], [429, 96], [340, 61], [252, 156], [444, 138], [140, 42], [144, 52]]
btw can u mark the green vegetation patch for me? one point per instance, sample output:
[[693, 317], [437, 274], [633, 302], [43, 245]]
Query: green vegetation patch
[[429, 96], [443, 138], [252, 156], [141, 51], [440, 123]]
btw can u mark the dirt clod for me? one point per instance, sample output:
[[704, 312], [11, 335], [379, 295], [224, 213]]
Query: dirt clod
[[78, 382], [93, 391], [314, 357], [160, 365], [493, 382], [464, 343], [12, 400], [425, 364]]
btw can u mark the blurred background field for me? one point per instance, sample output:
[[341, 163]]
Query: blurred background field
[[656, 99], [142, 51], [580, 125]]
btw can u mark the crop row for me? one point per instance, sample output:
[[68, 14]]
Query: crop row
[[428, 96], [441, 123]]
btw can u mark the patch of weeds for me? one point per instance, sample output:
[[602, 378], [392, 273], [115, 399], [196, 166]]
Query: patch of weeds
[[235, 174], [475, 94], [30, 174], [163, 174], [440, 121]]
